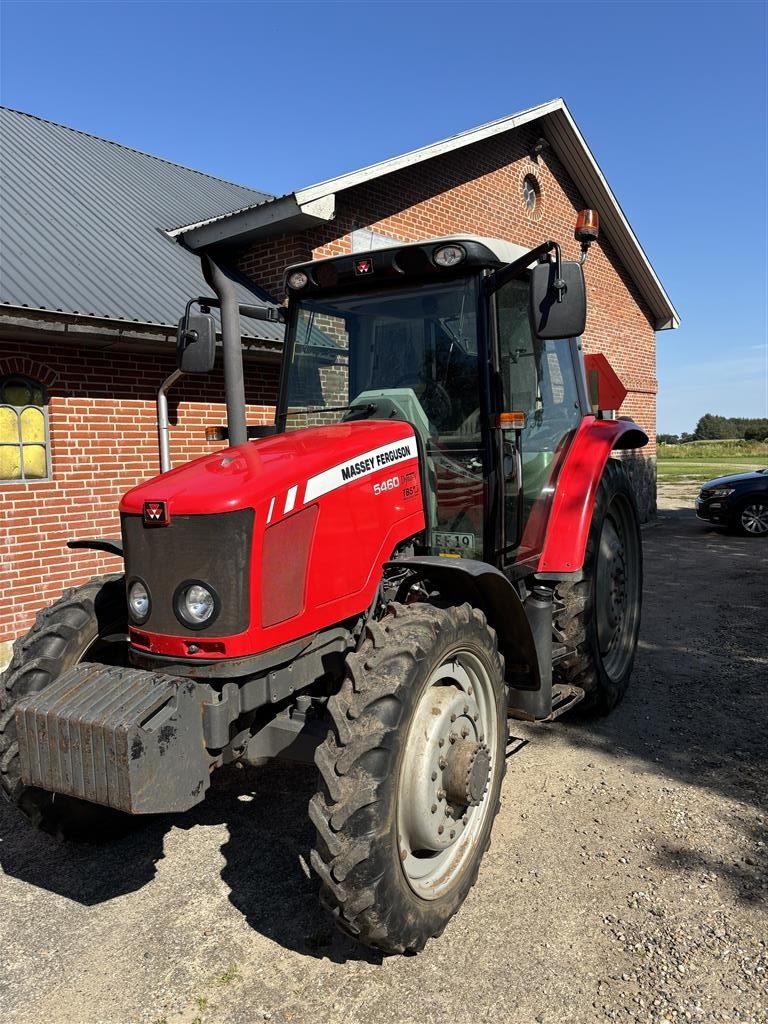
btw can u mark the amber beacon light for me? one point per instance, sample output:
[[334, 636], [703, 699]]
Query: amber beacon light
[[587, 230]]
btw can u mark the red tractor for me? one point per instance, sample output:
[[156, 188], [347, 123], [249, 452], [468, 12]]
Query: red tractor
[[431, 538]]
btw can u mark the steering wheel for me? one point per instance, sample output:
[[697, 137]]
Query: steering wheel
[[434, 399]]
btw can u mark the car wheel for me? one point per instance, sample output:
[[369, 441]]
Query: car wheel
[[752, 518]]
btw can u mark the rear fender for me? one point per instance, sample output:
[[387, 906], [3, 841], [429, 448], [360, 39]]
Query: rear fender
[[577, 483], [484, 586]]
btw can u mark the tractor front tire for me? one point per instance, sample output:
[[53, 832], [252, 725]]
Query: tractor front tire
[[410, 775], [598, 618], [88, 623]]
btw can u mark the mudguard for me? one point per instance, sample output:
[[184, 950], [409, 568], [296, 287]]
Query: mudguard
[[466, 579], [577, 483]]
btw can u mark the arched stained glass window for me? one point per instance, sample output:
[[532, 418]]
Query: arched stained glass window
[[24, 440]]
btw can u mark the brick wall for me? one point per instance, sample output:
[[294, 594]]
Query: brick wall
[[104, 441], [478, 190]]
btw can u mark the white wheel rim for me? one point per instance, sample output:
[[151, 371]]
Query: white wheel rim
[[437, 837]]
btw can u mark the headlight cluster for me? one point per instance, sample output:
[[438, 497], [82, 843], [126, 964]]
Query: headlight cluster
[[721, 492], [139, 603], [195, 604]]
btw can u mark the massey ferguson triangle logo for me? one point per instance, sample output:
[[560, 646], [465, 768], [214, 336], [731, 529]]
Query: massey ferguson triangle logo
[[156, 513]]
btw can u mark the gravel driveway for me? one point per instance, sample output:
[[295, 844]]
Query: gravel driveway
[[626, 881]]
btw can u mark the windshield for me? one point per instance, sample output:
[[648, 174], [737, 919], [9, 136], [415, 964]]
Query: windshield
[[412, 353]]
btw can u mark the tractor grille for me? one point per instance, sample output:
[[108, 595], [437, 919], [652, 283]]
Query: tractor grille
[[215, 550]]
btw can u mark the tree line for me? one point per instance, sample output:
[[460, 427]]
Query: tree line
[[721, 428]]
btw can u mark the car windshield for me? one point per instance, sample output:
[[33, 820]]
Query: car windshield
[[413, 351]]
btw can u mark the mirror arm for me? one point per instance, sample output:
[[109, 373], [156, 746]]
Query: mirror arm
[[500, 277], [276, 314]]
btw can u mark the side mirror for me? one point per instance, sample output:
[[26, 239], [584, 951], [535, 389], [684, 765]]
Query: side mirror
[[196, 343], [550, 319]]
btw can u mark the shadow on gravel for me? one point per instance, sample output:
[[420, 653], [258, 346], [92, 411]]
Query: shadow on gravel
[[266, 854], [697, 706]]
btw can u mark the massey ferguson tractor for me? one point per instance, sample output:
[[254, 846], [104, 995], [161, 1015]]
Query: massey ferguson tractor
[[433, 537]]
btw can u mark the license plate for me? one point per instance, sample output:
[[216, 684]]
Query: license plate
[[455, 543]]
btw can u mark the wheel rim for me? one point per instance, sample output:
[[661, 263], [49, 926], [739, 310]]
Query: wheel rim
[[754, 519], [617, 589], [447, 774]]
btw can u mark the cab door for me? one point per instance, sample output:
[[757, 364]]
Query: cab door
[[538, 378]]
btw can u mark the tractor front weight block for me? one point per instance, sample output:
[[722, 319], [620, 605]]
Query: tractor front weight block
[[120, 737]]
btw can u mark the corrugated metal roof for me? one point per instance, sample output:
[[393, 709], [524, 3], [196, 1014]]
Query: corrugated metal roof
[[82, 226]]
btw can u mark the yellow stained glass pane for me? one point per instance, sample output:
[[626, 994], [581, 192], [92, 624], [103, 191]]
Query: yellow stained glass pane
[[32, 425], [10, 463], [9, 425], [35, 463]]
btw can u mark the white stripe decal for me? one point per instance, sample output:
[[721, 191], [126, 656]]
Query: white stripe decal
[[290, 499], [271, 510], [360, 466]]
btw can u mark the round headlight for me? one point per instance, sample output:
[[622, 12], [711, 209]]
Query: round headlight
[[449, 255], [138, 601], [196, 604], [298, 279]]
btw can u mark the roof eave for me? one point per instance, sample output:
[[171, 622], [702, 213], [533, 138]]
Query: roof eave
[[279, 216]]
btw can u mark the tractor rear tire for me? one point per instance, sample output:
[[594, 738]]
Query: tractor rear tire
[[88, 623], [410, 775], [598, 618]]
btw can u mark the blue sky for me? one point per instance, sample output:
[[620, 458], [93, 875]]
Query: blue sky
[[672, 98]]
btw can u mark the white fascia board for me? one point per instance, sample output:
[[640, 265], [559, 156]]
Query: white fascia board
[[571, 146], [397, 163]]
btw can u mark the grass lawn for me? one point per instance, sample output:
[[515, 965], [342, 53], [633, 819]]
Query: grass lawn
[[695, 463]]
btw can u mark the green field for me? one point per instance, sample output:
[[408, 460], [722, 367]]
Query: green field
[[703, 460]]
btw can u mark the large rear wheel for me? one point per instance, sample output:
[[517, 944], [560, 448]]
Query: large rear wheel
[[88, 624], [410, 776], [598, 618]]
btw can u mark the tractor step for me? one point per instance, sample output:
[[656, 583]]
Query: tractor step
[[564, 697]]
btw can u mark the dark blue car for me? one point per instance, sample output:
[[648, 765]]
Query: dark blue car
[[739, 502]]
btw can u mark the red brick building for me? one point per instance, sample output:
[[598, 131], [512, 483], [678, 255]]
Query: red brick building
[[77, 389]]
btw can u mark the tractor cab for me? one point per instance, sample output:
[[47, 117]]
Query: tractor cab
[[438, 334]]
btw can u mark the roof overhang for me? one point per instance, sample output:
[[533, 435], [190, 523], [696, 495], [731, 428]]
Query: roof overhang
[[317, 203]]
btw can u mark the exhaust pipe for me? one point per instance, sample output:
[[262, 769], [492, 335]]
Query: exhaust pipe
[[234, 386]]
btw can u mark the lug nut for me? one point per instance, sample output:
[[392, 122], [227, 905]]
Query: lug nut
[[453, 718], [433, 808], [441, 743], [442, 764], [466, 709], [440, 830], [434, 776], [452, 832], [464, 733], [441, 794]]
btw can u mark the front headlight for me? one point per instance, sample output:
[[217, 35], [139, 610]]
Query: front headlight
[[721, 492], [138, 602], [196, 604]]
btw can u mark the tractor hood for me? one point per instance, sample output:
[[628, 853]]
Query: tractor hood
[[289, 469]]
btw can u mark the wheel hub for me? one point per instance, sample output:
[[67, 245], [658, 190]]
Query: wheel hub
[[466, 775]]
